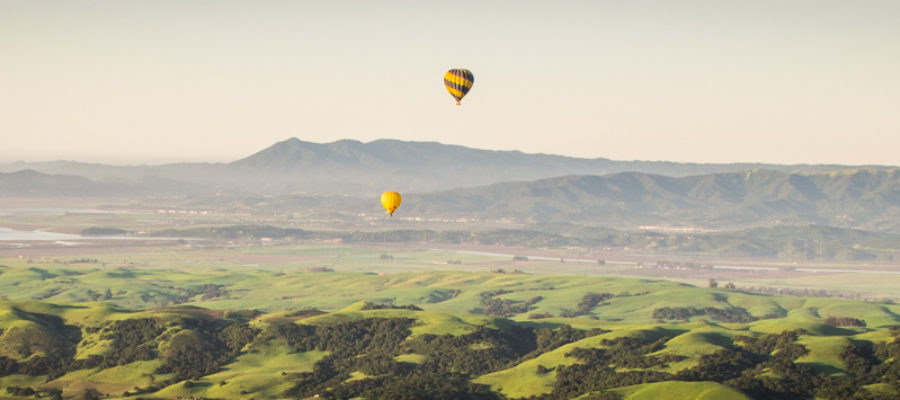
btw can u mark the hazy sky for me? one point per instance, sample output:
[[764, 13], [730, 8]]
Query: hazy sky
[[132, 82]]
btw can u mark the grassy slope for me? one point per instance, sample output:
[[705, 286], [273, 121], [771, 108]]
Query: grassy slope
[[111, 380], [629, 313], [261, 372], [523, 380], [681, 391]]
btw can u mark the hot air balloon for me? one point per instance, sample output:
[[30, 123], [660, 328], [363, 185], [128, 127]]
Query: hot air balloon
[[390, 201], [458, 83]]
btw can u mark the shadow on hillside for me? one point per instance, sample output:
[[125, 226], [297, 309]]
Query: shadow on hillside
[[717, 339], [536, 325], [828, 330], [667, 332], [71, 306], [825, 369], [893, 315], [121, 273], [192, 384], [51, 337]]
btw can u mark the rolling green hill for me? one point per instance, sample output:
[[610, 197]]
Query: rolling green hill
[[467, 335]]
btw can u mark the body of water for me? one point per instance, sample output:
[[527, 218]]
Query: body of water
[[56, 211], [11, 235]]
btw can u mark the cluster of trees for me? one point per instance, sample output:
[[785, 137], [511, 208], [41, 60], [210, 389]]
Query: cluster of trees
[[503, 271], [171, 295], [198, 346], [96, 296], [20, 391], [77, 261], [48, 293], [765, 368], [762, 368], [373, 306], [441, 295], [52, 394], [730, 314], [209, 291], [499, 307], [540, 316], [133, 340], [597, 370], [482, 351], [844, 321], [48, 347], [587, 303], [202, 346], [866, 364], [776, 291], [371, 346], [547, 339]]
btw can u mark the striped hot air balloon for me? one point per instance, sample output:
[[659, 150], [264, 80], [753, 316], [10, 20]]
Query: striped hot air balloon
[[458, 82]]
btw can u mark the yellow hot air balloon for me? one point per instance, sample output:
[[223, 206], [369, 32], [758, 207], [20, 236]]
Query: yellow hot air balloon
[[390, 201], [458, 82]]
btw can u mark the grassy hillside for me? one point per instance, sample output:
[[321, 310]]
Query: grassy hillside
[[681, 390], [507, 294], [518, 335]]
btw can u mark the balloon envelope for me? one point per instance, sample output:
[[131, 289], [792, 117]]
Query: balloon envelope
[[390, 201], [458, 82]]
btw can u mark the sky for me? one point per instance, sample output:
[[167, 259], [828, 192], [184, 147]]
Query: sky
[[717, 81]]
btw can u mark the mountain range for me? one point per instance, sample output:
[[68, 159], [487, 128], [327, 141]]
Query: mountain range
[[448, 180], [349, 167], [863, 198]]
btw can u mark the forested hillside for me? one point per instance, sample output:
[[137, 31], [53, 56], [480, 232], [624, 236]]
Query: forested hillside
[[440, 335]]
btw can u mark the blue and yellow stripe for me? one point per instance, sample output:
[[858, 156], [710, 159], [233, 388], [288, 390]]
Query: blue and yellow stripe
[[458, 82]]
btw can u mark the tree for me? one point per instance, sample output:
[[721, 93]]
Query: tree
[[190, 355]]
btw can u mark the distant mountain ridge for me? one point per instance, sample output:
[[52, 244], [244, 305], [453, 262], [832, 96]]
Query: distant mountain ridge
[[864, 199], [31, 183], [349, 167], [428, 166]]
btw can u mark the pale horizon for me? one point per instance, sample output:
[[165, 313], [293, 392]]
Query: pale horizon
[[155, 82]]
